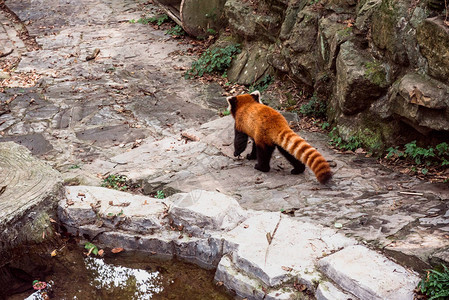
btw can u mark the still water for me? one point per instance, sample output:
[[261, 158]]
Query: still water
[[126, 275]]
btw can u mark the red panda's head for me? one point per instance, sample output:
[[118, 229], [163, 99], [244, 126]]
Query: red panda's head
[[234, 102]]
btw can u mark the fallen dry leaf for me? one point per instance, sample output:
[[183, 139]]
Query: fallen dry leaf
[[288, 269], [53, 253], [189, 136], [53, 221], [101, 252], [117, 250], [269, 238]]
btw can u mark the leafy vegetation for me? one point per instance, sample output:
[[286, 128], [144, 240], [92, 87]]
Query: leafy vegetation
[[216, 60], [424, 157], [211, 31], [116, 182], [176, 31], [225, 112], [91, 247], [160, 194], [352, 144], [158, 20], [436, 284], [262, 84], [314, 108]]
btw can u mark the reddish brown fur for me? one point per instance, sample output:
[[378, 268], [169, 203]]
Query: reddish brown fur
[[268, 127]]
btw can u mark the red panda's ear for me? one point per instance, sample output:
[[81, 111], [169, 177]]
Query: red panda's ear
[[256, 96], [232, 101]]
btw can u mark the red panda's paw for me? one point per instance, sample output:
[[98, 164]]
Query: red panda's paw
[[251, 156], [263, 169], [298, 170]]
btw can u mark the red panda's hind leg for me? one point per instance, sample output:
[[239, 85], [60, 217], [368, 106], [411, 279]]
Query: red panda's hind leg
[[263, 157], [298, 167], [240, 142]]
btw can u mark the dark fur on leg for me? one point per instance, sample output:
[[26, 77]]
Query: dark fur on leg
[[240, 142], [298, 167], [253, 154], [263, 158]]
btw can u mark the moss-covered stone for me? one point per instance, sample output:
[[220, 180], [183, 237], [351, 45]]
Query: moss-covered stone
[[376, 73], [433, 39], [360, 79]]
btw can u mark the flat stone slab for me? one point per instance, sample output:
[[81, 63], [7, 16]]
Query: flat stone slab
[[328, 291], [281, 248], [201, 210], [112, 209], [369, 275], [29, 192]]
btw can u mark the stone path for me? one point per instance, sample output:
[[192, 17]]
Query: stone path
[[124, 113]]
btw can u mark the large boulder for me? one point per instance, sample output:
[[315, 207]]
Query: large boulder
[[361, 79], [393, 29], [300, 49], [422, 102], [251, 64], [253, 22], [433, 39]]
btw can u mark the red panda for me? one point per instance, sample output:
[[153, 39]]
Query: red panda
[[269, 129]]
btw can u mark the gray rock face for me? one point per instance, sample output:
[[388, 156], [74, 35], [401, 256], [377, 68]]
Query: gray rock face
[[29, 192], [433, 39], [360, 80], [422, 101], [250, 65]]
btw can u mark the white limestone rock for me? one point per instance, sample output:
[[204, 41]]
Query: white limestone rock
[[369, 275], [328, 291], [294, 250], [87, 204], [199, 211]]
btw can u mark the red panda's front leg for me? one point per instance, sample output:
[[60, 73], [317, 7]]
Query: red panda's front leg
[[264, 153], [253, 154]]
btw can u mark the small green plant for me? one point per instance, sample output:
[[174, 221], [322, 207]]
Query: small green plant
[[159, 20], [216, 60], [91, 247], [160, 194], [112, 215], [226, 112], [314, 108], [352, 144], [116, 182], [325, 125], [176, 31], [436, 284], [74, 167], [262, 84], [211, 31]]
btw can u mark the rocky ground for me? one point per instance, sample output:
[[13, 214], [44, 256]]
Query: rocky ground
[[130, 111]]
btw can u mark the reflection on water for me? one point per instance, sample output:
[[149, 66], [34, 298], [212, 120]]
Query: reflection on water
[[134, 283], [123, 276]]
